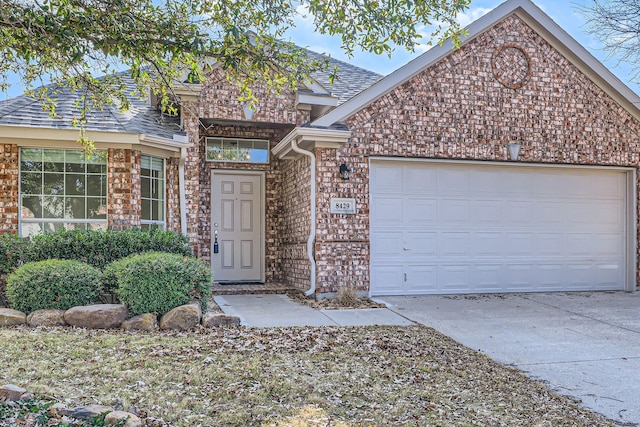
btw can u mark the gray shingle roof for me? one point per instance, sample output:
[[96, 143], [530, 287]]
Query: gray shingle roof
[[351, 79], [140, 118]]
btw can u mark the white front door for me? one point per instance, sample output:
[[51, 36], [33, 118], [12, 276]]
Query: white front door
[[237, 218]]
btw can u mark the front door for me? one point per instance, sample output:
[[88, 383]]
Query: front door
[[237, 217]]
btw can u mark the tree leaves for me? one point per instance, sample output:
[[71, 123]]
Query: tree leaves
[[72, 42]]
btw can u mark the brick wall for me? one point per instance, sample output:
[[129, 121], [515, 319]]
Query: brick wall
[[8, 188], [219, 100], [124, 198], [172, 201], [458, 109], [296, 221]]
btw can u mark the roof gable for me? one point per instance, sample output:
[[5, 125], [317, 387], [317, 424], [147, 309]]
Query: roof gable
[[533, 17]]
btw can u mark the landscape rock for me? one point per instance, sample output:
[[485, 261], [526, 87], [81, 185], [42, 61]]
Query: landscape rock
[[142, 322], [182, 318], [212, 320], [46, 317], [86, 412], [11, 392], [10, 317], [97, 316], [115, 416]]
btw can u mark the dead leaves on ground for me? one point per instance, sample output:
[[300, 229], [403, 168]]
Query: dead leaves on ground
[[283, 376]]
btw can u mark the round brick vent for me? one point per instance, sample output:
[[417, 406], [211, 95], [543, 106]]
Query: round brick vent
[[511, 66]]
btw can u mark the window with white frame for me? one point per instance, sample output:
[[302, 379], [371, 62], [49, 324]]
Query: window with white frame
[[153, 194], [62, 189], [237, 150]]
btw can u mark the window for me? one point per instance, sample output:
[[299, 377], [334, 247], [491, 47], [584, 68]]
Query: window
[[62, 189], [152, 183], [237, 150]]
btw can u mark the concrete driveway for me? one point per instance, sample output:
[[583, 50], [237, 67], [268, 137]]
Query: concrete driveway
[[585, 345]]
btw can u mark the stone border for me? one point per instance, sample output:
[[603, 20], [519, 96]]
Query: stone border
[[116, 316]]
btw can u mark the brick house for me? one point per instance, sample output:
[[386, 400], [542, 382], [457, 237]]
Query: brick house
[[507, 165]]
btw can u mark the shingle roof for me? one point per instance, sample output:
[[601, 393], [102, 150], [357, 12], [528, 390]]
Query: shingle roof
[[351, 79], [140, 118]]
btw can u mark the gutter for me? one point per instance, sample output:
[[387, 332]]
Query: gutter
[[312, 234]]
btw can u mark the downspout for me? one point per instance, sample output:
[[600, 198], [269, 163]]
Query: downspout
[[312, 234], [182, 191]]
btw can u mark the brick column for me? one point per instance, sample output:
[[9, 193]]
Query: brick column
[[124, 198], [191, 123], [8, 188]]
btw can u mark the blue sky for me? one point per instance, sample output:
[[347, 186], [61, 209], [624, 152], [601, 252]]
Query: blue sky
[[563, 12]]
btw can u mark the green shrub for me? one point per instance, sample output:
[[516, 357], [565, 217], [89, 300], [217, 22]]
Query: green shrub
[[12, 250], [60, 284], [100, 248], [156, 282]]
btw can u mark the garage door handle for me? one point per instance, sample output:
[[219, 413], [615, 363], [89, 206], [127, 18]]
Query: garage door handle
[[405, 249]]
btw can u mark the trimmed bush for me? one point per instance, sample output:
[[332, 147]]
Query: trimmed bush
[[100, 248], [156, 282], [12, 248], [60, 284]]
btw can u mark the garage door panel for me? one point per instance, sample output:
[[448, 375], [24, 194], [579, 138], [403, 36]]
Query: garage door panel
[[453, 211], [487, 228], [387, 279], [420, 211], [420, 180], [454, 244], [454, 278], [387, 179], [421, 279], [453, 181], [486, 278], [387, 244], [386, 210], [488, 244], [550, 277], [518, 244], [487, 213], [549, 245], [420, 244], [549, 214], [518, 212]]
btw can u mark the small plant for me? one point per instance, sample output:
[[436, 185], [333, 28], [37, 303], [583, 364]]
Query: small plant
[[60, 284], [347, 296], [156, 282]]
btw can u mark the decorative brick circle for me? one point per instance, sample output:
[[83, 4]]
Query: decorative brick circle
[[511, 66]]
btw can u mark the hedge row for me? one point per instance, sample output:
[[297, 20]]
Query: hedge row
[[96, 248], [152, 282]]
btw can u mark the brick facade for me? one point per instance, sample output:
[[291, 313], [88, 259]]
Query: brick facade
[[9, 188], [458, 109]]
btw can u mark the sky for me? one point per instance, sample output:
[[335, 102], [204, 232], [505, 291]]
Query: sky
[[563, 12]]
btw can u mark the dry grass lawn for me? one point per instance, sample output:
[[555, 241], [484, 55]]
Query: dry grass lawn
[[374, 376]]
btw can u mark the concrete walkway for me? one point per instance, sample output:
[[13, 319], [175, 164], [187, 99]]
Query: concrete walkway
[[585, 345], [271, 310]]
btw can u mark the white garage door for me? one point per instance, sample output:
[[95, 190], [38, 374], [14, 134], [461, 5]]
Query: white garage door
[[451, 228]]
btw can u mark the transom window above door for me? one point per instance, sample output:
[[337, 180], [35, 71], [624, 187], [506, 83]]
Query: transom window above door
[[237, 150]]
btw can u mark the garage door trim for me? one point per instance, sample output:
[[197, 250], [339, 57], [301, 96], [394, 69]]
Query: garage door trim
[[630, 218]]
